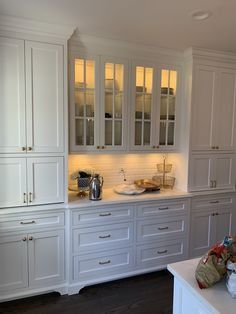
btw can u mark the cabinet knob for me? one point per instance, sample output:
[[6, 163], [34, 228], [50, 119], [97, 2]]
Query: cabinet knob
[[24, 239], [98, 147], [103, 147], [31, 238], [23, 148], [30, 148], [217, 147], [213, 147], [153, 146]]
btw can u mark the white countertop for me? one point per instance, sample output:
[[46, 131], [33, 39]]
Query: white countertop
[[111, 197], [217, 297]]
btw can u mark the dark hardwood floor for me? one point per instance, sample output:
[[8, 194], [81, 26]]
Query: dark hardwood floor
[[151, 293]]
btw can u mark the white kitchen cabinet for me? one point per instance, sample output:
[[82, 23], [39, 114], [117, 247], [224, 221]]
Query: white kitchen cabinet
[[32, 97], [31, 181], [13, 182], [214, 171], [13, 262], [213, 108], [45, 180], [12, 91], [98, 111], [44, 97], [210, 224], [153, 113], [46, 258]]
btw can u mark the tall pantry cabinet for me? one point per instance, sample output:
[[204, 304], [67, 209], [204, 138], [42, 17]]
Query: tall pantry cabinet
[[32, 144], [211, 80]]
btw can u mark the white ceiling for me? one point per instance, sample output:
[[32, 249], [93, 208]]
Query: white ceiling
[[161, 23]]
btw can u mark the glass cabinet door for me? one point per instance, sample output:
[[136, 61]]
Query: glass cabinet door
[[167, 108], [143, 106], [84, 102], [114, 103]]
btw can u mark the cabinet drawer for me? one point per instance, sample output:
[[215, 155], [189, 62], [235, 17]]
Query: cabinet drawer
[[42, 220], [103, 215], [97, 238], [161, 208], [154, 229], [212, 201], [93, 266], [161, 253]]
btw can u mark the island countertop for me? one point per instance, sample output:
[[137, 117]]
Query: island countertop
[[215, 299]]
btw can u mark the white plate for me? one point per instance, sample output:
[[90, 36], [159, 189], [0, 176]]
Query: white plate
[[128, 189]]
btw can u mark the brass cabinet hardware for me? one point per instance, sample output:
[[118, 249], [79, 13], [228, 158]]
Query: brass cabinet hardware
[[105, 236], [23, 148], [153, 146], [28, 222], [105, 262], [30, 148], [98, 147], [24, 239], [163, 208], [31, 238], [157, 146]]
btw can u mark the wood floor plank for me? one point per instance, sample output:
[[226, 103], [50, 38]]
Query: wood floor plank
[[145, 294]]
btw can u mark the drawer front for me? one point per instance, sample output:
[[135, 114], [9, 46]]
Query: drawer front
[[161, 208], [103, 264], [212, 201], [102, 215], [161, 228], [102, 237], [161, 254], [42, 220]]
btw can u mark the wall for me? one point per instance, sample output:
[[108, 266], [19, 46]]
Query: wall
[[137, 166]]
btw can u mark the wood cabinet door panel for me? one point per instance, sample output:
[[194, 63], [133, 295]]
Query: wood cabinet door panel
[[44, 97], [13, 263], [12, 91]]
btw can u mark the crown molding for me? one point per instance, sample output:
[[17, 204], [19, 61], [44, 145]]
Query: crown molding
[[32, 27], [213, 55]]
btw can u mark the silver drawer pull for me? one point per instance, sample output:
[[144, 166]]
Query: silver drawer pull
[[162, 252], [105, 214], [105, 262], [105, 236], [163, 228], [214, 202], [163, 208], [28, 222]]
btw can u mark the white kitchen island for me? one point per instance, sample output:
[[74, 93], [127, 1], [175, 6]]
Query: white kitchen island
[[190, 299]]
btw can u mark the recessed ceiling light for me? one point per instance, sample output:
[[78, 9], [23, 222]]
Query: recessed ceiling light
[[200, 15]]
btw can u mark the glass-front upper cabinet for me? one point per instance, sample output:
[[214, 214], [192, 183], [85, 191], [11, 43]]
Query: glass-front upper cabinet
[[143, 111], [83, 105], [114, 104], [167, 108]]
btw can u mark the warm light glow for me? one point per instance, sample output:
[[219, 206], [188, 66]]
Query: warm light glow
[[144, 78], [169, 79], [84, 73]]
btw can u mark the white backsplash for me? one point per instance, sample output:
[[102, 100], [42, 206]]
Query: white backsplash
[[136, 166]]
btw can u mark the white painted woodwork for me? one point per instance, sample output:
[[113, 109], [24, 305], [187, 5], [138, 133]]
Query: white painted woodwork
[[45, 180], [44, 97], [13, 182], [203, 108], [46, 258], [213, 110], [210, 222], [102, 215], [12, 91], [29, 221], [214, 171], [13, 263], [161, 253], [161, 208], [102, 237], [161, 228], [102, 264]]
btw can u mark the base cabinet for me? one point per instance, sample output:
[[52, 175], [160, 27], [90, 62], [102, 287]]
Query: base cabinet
[[211, 223]]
